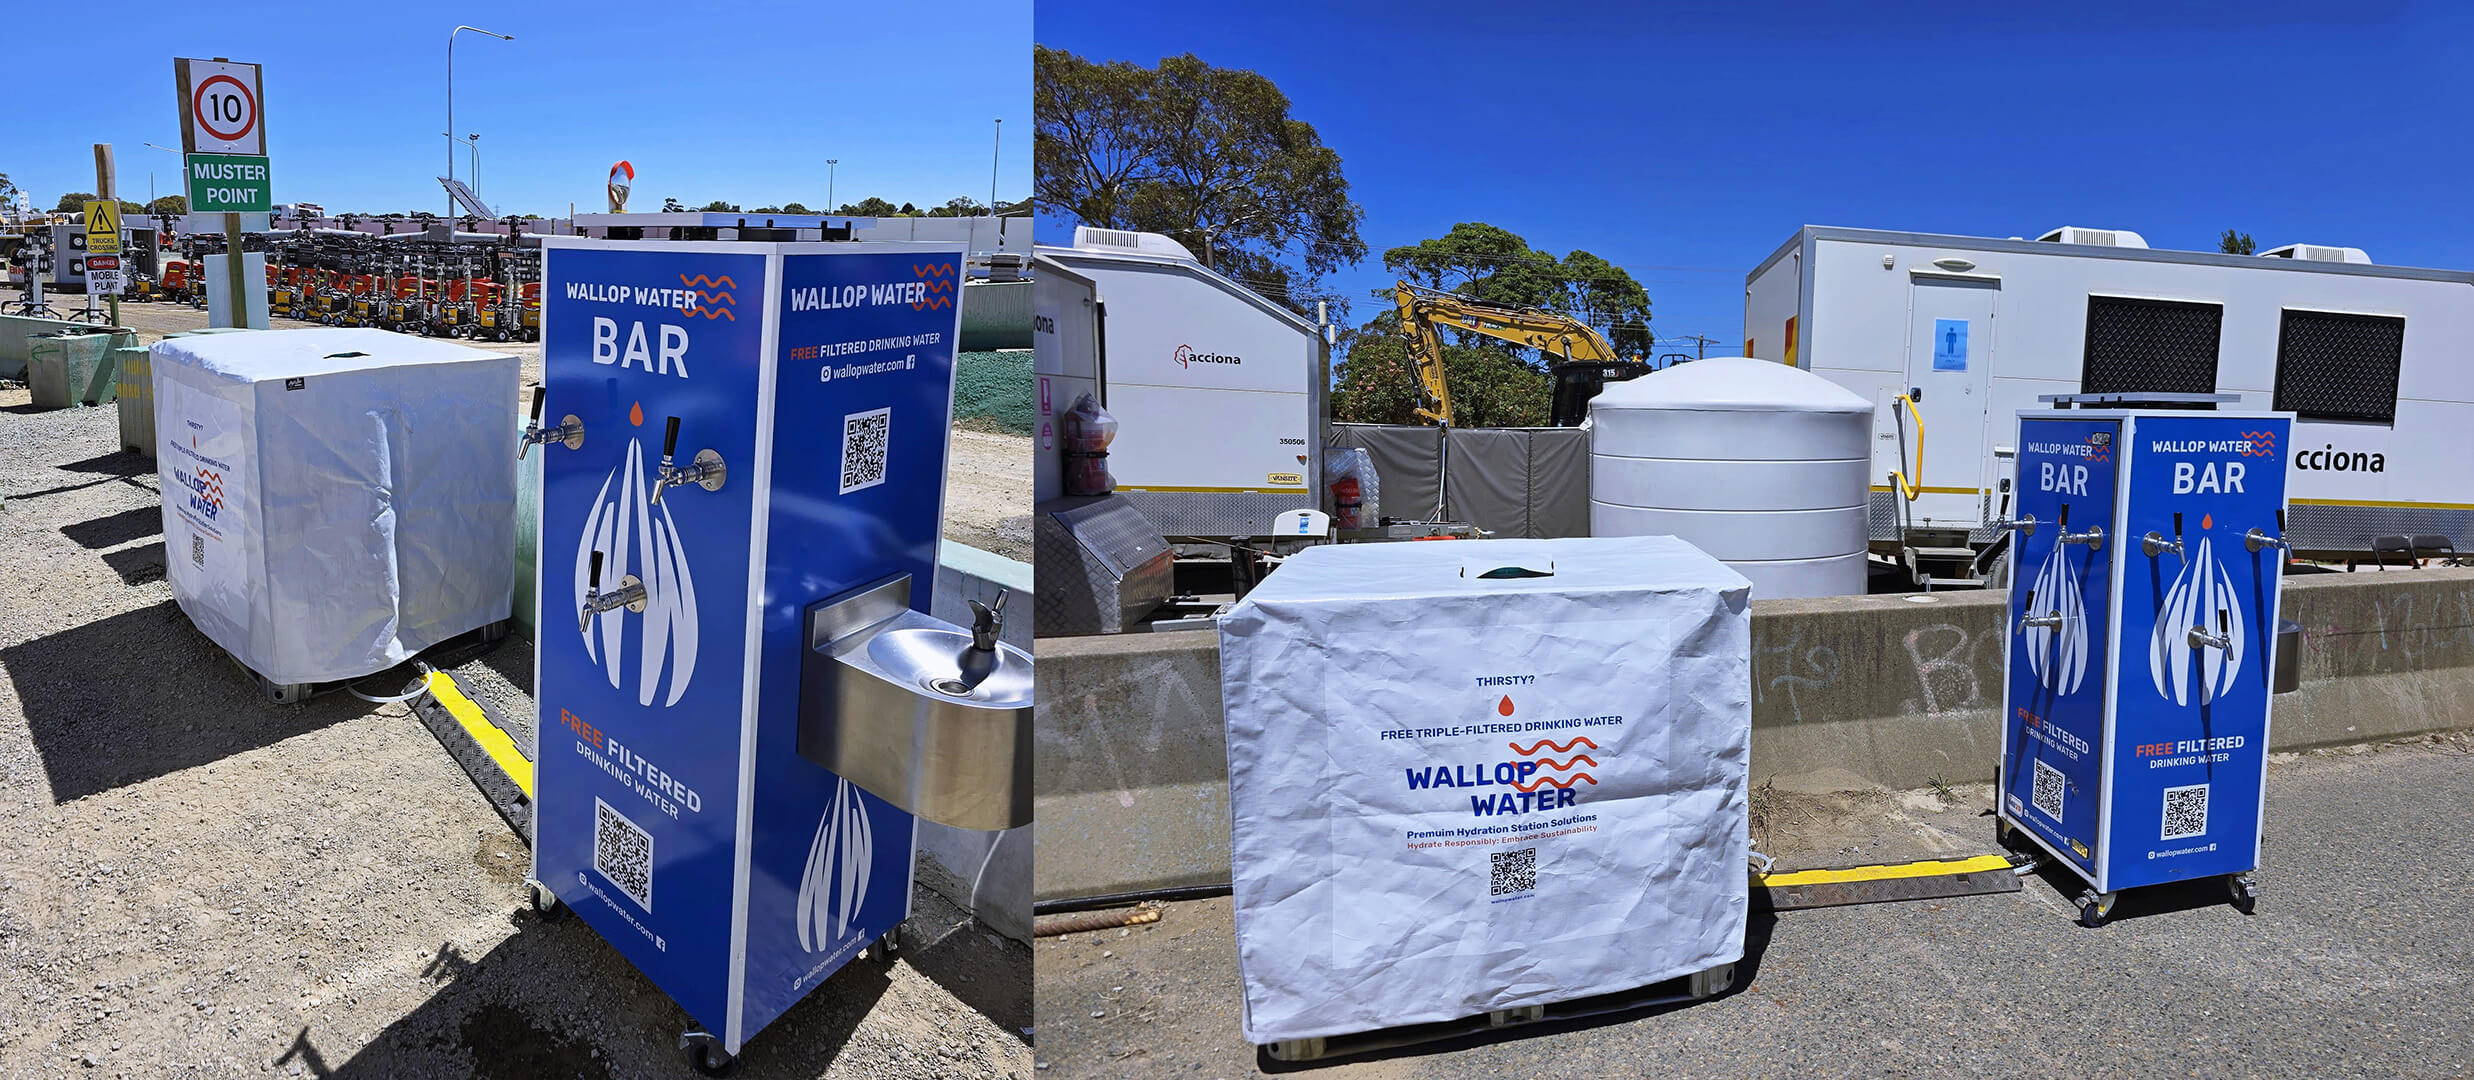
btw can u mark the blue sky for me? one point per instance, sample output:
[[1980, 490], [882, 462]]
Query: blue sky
[[1687, 141], [735, 101]]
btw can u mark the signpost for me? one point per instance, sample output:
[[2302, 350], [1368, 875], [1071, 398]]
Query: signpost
[[223, 135]]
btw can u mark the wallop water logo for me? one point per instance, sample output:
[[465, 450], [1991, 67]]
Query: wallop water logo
[[2200, 592], [639, 538], [2057, 655], [835, 884]]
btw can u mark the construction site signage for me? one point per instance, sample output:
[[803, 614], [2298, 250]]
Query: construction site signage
[[229, 184], [102, 227], [222, 109]]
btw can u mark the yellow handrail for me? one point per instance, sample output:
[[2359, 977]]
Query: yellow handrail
[[1910, 490]]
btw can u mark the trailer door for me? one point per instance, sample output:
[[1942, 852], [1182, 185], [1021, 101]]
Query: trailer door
[[1950, 358]]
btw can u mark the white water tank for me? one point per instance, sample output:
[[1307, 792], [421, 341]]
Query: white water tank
[[1763, 466]]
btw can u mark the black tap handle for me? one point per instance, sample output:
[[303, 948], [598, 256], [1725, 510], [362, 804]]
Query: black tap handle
[[538, 392], [2280, 521], [2030, 606], [596, 574], [2177, 524], [2224, 626], [670, 439], [2064, 524]]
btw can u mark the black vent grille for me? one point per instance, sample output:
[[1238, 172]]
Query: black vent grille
[[2158, 346], [2335, 366]]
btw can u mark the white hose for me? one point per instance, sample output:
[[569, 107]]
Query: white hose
[[417, 691]]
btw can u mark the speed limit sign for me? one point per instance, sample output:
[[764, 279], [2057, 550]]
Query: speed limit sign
[[222, 108]]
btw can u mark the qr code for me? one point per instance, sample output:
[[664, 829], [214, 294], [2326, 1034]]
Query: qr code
[[2186, 811], [197, 549], [2048, 793], [623, 853], [864, 436], [1514, 872]]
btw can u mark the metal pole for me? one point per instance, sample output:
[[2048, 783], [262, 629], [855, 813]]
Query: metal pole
[[451, 110], [830, 205], [992, 160], [233, 265]]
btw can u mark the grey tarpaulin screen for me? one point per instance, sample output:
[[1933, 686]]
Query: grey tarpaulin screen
[[1513, 482]]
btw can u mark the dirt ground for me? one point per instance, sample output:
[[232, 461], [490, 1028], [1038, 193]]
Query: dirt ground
[[988, 475], [197, 883]]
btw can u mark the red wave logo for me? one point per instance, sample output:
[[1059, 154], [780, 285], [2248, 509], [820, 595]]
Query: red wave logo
[[704, 300], [2262, 444], [940, 293], [1549, 781], [1551, 763], [1560, 748]]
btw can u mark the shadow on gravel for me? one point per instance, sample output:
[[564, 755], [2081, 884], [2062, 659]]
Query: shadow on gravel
[[137, 565], [128, 698], [557, 1001], [113, 530], [1757, 928], [117, 463]]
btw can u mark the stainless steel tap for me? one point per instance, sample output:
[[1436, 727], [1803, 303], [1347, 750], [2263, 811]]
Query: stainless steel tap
[[2154, 543], [2094, 537], [988, 621], [630, 594], [706, 471], [568, 433], [2028, 618], [2200, 638], [2257, 540]]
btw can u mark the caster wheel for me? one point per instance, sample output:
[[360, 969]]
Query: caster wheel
[[706, 1056], [544, 905], [2095, 909], [2245, 893], [883, 950]]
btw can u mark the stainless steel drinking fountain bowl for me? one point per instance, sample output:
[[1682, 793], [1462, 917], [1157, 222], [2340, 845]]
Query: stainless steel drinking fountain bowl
[[914, 710]]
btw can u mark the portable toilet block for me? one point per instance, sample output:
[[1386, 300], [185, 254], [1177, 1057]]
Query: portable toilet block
[[334, 500], [2141, 645], [1483, 776]]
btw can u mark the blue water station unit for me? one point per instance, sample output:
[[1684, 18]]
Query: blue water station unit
[[2146, 552], [735, 434]]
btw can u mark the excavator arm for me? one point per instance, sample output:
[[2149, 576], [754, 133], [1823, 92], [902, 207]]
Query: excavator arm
[[1562, 338]]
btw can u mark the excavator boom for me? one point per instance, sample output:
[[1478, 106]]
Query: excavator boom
[[1564, 340]]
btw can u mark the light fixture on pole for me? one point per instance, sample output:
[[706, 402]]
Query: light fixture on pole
[[150, 173], [451, 105]]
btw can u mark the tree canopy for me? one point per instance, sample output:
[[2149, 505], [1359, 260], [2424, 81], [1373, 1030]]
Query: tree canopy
[[2236, 243], [169, 204], [1208, 156]]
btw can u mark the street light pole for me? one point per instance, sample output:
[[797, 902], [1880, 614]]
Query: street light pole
[[992, 160], [830, 205], [451, 108]]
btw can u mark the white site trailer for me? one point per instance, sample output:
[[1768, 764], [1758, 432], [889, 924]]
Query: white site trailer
[[2373, 360], [1218, 393]]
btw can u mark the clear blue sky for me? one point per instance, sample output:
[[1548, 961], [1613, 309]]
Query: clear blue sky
[[1687, 141], [735, 101]]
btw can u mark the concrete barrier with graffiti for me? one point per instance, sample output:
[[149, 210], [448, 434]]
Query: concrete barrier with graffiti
[[1896, 691]]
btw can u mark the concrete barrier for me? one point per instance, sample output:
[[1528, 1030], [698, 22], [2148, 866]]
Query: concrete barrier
[[1894, 691]]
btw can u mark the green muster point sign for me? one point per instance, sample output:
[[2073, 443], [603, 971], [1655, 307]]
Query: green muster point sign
[[229, 184]]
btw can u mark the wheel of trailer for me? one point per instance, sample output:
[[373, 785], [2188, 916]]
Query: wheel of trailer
[[1296, 1049], [531, 334], [2245, 893], [705, 1054]]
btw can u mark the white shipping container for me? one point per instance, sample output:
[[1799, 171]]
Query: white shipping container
[[2371, 358], [335, 500]]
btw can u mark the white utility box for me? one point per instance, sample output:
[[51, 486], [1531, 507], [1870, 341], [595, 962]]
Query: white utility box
[[1484, 775], [335, 500]]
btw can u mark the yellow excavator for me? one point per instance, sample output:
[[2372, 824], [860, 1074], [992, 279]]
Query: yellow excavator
[[1580, 359]]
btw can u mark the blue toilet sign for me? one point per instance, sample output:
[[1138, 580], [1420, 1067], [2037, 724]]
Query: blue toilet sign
[[1949, 344]]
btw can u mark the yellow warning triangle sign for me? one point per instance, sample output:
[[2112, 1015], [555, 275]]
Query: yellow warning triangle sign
[[103, 227]]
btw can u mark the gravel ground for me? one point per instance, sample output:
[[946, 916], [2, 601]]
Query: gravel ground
[[195, 882], [2357, 962]]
